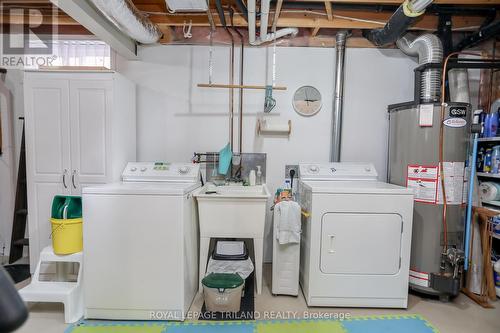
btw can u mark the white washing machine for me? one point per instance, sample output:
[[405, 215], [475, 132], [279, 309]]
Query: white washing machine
[[140, 241], [355, 247]]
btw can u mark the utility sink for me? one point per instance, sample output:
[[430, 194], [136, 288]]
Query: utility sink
[[232, 211], [235, 191]]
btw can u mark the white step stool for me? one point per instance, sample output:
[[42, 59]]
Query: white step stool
[[68, 293]]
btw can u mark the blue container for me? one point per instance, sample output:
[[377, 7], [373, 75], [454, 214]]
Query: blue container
[[495, 159], [494, 124], [487, 125]]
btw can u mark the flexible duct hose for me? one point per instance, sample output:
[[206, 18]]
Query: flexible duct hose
[[129, 19], [429, 49]]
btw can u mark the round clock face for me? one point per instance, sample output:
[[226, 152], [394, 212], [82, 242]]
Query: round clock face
[[307, 101]]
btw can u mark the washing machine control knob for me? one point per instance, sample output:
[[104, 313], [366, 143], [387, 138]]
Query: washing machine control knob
[[183, 170], [134, 169], [368, 169], [313, 168], [143, 169]]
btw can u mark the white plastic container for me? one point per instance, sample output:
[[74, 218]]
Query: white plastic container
[[496, 274], [222, 292]]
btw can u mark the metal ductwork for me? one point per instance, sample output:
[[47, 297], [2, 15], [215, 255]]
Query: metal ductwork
[[336, 140], [264, 20], [130, 20], [400, 21], [429, 49]]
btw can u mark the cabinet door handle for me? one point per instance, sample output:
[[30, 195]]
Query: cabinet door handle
[[73, 179], [331, 249], [64, 178]]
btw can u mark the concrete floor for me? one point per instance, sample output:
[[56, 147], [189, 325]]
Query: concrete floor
[[460, 316]]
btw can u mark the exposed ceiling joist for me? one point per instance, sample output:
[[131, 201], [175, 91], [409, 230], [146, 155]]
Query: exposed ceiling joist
[[328, 8], [342, 19], [398, 2]]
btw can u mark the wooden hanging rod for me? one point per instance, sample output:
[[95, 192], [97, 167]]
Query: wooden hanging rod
[[236, 86]]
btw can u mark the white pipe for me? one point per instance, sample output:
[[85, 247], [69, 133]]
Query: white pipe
[[251, 22], [264, 21], [127, 18]]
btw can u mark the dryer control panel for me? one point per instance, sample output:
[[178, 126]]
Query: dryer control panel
[[337, 171], [161, 172]]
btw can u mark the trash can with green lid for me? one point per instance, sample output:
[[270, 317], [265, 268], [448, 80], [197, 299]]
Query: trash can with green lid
[[222, 292]]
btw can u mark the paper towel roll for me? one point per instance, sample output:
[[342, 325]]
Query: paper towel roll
[[489, 191]]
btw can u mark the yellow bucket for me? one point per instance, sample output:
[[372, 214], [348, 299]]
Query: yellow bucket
[[67, 235]]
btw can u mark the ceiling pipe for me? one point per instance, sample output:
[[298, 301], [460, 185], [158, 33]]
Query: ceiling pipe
[[398, 23], [222, 17], [483, 34], [130, 20], [264, 21], [338, 104]]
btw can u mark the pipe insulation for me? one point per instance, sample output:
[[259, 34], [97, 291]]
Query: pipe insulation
[[398, 23], [264, 22], [130, 20], [429, 49], [336, 140]]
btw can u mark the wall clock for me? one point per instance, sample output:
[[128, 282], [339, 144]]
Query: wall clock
[[307, 101]]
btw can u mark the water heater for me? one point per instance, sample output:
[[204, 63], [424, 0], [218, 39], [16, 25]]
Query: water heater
[[414, 141]]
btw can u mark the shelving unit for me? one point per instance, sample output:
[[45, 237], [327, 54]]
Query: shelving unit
[[489, 175], [493, 203], [492, 139]]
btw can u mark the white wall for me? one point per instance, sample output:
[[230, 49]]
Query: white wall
[[175, 118], [11, 107]]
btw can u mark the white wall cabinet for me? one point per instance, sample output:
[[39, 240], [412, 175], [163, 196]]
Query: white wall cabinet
[[80, 131]]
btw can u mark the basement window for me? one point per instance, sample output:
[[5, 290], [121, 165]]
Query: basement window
[[80, 54]]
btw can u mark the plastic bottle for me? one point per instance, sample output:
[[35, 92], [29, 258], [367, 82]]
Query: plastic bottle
[[259, 175], [252, 178], [480, 159], [487, 125], [494, 124], [495, 160], [487, 161]]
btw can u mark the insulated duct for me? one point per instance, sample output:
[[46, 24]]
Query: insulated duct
[[264, 21], [398, 23], [130, 20], [458, 81], [429, 49], [336, 141]]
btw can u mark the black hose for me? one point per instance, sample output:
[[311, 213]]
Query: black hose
[[242, 8], [220, 10], [12, 308], [394, 28]]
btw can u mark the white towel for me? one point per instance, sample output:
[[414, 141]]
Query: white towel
[[288, 218]]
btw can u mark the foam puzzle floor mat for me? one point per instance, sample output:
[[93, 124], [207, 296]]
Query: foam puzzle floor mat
[[367, 324]]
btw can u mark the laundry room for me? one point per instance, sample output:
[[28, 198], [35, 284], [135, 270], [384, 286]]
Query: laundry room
[[253, 166]]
